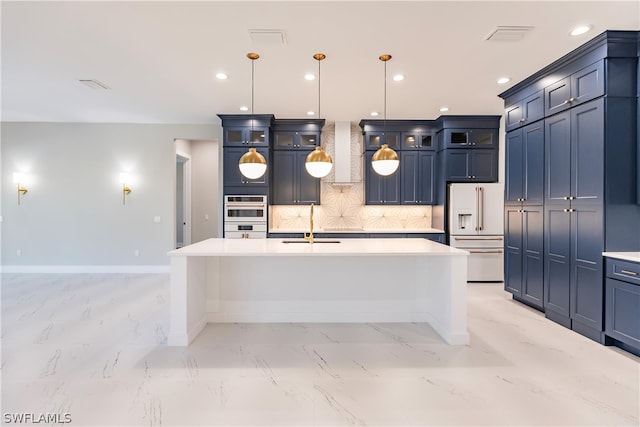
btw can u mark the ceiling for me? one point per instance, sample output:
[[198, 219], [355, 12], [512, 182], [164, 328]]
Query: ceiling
[[159, 59]]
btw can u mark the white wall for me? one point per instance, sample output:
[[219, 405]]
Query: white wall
[[206, 201], [73, 213]]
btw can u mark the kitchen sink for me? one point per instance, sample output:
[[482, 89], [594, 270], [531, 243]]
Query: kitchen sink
[[314, 242]]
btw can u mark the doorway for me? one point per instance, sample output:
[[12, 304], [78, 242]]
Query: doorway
[[183, 200]]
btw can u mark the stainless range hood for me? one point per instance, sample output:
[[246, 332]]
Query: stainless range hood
[[342, 155]]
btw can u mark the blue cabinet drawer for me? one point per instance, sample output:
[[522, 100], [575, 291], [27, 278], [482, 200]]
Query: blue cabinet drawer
[[623, 270]]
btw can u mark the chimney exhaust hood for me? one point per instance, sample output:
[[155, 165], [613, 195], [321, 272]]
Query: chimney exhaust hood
[[342, 155]]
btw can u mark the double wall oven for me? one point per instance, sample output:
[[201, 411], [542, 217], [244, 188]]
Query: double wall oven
[[245, 217]]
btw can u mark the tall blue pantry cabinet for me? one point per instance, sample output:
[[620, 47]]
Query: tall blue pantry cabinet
[[570, 179]]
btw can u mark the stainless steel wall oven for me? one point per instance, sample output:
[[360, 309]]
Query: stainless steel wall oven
[[245, 217]]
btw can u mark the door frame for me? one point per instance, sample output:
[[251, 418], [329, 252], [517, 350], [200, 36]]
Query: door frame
[[186, 198]]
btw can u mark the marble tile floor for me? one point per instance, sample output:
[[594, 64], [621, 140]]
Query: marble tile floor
[[93, 348]]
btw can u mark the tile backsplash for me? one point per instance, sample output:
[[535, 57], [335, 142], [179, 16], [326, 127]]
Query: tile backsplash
[[342, 207]]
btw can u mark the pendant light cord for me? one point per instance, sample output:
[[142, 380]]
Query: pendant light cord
[[319, 88], [384, 131], [252, 89]]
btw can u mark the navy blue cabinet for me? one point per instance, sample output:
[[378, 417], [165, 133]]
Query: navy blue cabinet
[[579, 87], [557, 267], [465, 138], [574, 149], [622, 304], [293, 140], [243, 136], [524, 111], [468, 149], [417, 173], [234, 181], [419, 139], [471, 165], [574, 241], [414, 181], [375, 139], [590, 145], [292, 184], [524, 165], [573, 268], [242, 130], [380, 190], [523, 263]]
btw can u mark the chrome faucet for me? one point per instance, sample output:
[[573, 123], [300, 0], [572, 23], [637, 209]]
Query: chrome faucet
[[309, 237]]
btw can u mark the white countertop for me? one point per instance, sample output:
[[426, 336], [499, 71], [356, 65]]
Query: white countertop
[[346, 247], [627, 256], [360, 230]]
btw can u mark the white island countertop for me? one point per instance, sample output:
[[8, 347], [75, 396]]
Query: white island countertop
[[357, 230], [345, 247], [626, 256]]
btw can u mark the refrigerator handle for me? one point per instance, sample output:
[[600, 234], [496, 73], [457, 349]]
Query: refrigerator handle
[[481, 209], [477, 208]]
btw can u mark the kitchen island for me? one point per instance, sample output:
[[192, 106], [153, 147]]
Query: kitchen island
[[343, 280]]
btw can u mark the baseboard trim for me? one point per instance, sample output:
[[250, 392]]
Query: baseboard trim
[[79, 269]]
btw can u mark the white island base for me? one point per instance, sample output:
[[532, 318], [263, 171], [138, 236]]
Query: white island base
[[356, 280]]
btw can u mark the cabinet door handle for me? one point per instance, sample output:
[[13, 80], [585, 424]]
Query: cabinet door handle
[[522, 120], [572, 198], [566, 101], [572, 99], [630, 273]]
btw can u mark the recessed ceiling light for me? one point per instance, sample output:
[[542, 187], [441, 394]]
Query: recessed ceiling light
[[398, 77], [503, 80], [444, 109], [309, 76], [221, 76], [374, 113], [311, 113], [244, 108], [580, 30]]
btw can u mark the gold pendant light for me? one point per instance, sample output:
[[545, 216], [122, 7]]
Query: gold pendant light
[[252, 164], [385, 161], [318, 163]]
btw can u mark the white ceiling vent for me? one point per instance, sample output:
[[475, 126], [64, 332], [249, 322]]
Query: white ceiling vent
[[94, 84], [508, 33], [268, 37]]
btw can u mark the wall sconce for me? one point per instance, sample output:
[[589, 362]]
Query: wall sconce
[[19, 180], [125, 178]]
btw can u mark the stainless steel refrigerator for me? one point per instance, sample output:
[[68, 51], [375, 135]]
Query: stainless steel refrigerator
[[476, 225]]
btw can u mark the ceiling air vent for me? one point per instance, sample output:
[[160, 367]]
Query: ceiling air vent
[[94, 84], [268, 37], [508, 33]]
